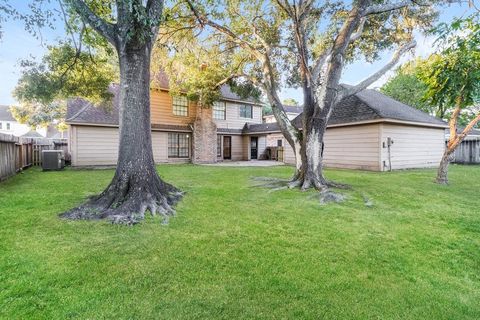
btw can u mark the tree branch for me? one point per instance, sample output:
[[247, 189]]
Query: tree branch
[[317, 68], [155, 10], [104, 28], [232, 35], [380, 8], [359, 31], [377, 75]]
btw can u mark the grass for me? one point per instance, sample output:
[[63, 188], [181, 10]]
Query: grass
[[236, 252]]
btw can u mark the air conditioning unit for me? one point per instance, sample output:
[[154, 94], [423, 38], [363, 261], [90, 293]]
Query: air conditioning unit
[[53, 160]]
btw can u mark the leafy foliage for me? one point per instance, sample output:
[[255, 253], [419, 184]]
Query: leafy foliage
[[452, 76], [34, 20], [63, 72]]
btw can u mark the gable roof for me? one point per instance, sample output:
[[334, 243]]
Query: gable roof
[[32, 134], [5, 113], [367, 105]]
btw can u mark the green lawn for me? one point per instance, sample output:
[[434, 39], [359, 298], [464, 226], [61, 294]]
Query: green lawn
[[237, 252]]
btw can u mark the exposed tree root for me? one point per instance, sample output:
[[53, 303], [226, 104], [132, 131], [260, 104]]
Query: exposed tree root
[[328, 196], [125, 201], [368, 202], [325, 194]]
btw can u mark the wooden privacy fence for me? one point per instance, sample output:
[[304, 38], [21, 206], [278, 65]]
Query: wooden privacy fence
[[468, 152], [40, 144], [16, 154]]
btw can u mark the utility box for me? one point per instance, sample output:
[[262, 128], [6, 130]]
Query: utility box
[[53, 160]]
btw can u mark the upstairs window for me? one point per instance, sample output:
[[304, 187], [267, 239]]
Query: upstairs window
[[1, 126], [8, 126], [246, 112], [180, 106], [219, 110], [178, 145]]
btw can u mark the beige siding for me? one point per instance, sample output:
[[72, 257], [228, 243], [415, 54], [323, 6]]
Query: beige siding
[[97, 146], [161, 109], [355, 147], [413, 147], [233, 119]]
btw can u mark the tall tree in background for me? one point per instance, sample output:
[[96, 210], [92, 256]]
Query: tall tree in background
[[406, 87], [309, 43], [136, 186], [452, 77], [64, 72]]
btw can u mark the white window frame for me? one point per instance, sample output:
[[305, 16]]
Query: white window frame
[[246, 106], [219, 106], [180, 106]]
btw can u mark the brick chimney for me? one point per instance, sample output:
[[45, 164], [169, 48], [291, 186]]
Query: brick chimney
[[204, 137]]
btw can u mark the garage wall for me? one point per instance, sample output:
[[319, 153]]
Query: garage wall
[[97, 146], [354, 147], [413, 147]]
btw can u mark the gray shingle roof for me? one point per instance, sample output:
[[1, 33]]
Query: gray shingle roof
[[5, 114], [81, 111], [293, 109], [32, 134], [365, 105]]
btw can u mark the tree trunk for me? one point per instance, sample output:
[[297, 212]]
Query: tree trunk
[[136, 186], [442, 173], [314, 132]]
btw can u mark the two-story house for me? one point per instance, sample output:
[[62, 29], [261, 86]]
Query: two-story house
[[181, 131]]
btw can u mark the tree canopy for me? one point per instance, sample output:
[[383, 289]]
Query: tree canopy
[[64, 72]]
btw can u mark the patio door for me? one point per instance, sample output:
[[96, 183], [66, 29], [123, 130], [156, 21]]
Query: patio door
[[227, 147], [253, 148]]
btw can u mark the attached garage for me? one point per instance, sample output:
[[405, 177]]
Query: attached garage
[[371, 131]]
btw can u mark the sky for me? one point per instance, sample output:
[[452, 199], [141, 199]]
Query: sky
[[17, 44]]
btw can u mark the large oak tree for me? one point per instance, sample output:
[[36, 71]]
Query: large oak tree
[[136, 187], [308, 43]]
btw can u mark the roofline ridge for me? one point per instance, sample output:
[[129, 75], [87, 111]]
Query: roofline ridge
[[377, 112], [80, 111]]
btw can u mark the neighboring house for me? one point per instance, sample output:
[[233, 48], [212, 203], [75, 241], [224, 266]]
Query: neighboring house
[[181, 131], [468, 152], [9, 125], [359, 132], [291, 111]]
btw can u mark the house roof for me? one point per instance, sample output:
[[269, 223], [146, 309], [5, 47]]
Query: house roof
[[366, 105], [289, 109], [474, 134], [32, 134], [5, 113], [81, 111], [293, 109]]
